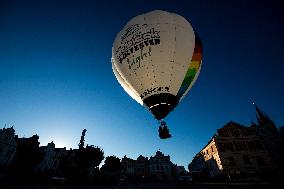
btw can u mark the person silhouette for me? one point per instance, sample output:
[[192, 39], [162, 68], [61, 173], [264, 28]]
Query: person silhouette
[[162, 123]]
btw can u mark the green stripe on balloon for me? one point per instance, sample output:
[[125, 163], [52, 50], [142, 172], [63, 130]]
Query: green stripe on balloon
[[189, 76]]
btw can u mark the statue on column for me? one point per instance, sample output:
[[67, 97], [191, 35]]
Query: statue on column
[[81, 144]]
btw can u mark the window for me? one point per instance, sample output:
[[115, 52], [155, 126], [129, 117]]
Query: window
[[246, 159], [241, 146], [236, 146], [232, 161], [212, 149], [9, 153], [209, 166], [251, 145], [223, 133], [245, 132], [258, 145], [229, 146], [235, 133], [245, 146], [259, 160], [221, 146]]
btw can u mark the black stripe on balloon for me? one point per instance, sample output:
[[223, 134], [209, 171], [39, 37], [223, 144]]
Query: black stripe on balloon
[[160, 105]]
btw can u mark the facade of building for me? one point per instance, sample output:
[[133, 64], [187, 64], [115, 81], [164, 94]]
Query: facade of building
[[157, 167], [141, 168], [161, 166], [8, 146], [28, 156], [128, 166], [238, 152], [60, 154], [180, 170], [49, 154], [135, 168], [52, 158]]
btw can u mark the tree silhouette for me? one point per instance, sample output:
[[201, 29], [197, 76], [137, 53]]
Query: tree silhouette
[[112, 164], [89, 157], [111, 169], [81, 164]]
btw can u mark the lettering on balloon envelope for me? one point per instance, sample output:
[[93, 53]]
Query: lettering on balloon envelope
[[136, 60], [137, 38], [148, 92]]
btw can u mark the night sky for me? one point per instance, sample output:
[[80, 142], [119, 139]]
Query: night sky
[[56, 77]]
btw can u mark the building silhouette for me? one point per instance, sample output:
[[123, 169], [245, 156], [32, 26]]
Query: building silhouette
[[52, 158], [27, 157], [49, 154], [235, 152], [240, 152], [157, 167], [135, 168], [161, 166], [8, 146]]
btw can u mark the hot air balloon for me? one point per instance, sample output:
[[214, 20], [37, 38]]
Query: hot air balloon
[[157, 58]]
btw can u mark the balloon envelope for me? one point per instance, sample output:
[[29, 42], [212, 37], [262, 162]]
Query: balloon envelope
[[156, 58]]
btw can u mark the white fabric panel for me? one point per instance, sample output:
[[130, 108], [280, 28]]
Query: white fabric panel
[[125, 86], [183, 53]]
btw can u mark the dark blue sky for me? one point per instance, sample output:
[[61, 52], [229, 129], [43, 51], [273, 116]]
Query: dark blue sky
[[56, 77]]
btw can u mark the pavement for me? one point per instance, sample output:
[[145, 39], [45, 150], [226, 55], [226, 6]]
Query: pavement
[[154, 185]]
